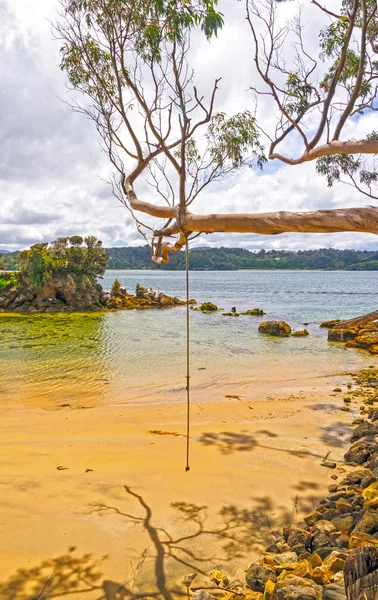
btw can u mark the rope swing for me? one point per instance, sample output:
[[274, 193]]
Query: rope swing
[[187, 468]]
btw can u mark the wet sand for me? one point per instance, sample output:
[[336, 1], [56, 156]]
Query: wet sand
[[110, 481]]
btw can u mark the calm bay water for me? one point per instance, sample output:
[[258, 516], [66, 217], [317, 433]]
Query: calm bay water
[[138, 356]]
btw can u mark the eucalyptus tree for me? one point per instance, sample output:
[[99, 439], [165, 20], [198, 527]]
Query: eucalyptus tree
[[318, 94], [130, 59]]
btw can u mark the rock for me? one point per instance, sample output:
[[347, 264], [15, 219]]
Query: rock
[[329, 464], [368, 522], [298, 536], [275, 328], [257, 575], [202, 595], [319, 541], [314, 516], [258, 312], [297, 588], [189, 578], [373, 464], [321, 576], [332, 488], [326, 551], [371, 491], [315, 560], [355, 477], [335, 562], [373, 414], [358, 453], [344, 524], [300, 333], [208, 307], [366, 339], [248, 595], [341, 540], [334, 591], [280, 559], [342, 506], [219, 578], [340, 335], [363, 430], [358, 539], [324, 526], [330, 324]]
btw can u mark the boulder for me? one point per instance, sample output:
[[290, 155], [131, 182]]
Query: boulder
[[359, 453], [300, 333], [275, 328], [344, 524], [298, 536], [257, 575], [297, 588], [364, 430], [366, 339], [333, 591], [257, 312], [340, 335], [358, 539], [368, 522]]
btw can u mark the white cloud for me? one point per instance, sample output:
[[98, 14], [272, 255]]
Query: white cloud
[[52, 168]]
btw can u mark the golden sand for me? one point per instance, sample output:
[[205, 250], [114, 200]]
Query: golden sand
[[254, 465]]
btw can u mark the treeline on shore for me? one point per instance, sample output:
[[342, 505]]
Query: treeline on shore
[[230, 259]]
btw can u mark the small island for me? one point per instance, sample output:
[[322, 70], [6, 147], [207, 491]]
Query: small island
[[62, 276]]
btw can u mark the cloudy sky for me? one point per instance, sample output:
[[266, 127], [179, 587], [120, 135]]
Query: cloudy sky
[[52, 169]]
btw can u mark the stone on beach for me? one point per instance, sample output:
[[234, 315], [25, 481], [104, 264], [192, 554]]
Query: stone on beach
[[275, 328]]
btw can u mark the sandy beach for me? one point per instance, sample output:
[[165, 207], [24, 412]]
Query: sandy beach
[[110, 481]]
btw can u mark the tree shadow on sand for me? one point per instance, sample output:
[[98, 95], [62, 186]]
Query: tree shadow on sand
[[229, 442], [204, 543]]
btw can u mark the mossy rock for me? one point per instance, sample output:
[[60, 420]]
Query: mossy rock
[[275, 328], [208, 307], [231, 314], [300, 333], [257, 312]]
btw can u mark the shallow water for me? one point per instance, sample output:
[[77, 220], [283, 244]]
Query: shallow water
[[138, 356]]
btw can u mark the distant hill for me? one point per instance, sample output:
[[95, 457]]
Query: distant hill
[[231, 259], [4, 251]]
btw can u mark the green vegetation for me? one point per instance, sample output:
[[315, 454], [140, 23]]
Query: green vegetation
[[8, 262], [229, 259], [60, 276], [72, 256]]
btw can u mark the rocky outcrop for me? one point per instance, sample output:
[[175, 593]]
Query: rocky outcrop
[[144, 298], [65, 294], [61, 294], [275, 328], [356, 333]]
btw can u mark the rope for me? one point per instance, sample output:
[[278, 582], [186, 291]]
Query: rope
[[187, 468]]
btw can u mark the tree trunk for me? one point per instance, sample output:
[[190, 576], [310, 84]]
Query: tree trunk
[[361, 574]]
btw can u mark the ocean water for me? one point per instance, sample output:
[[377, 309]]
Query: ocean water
[[128, 357]]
